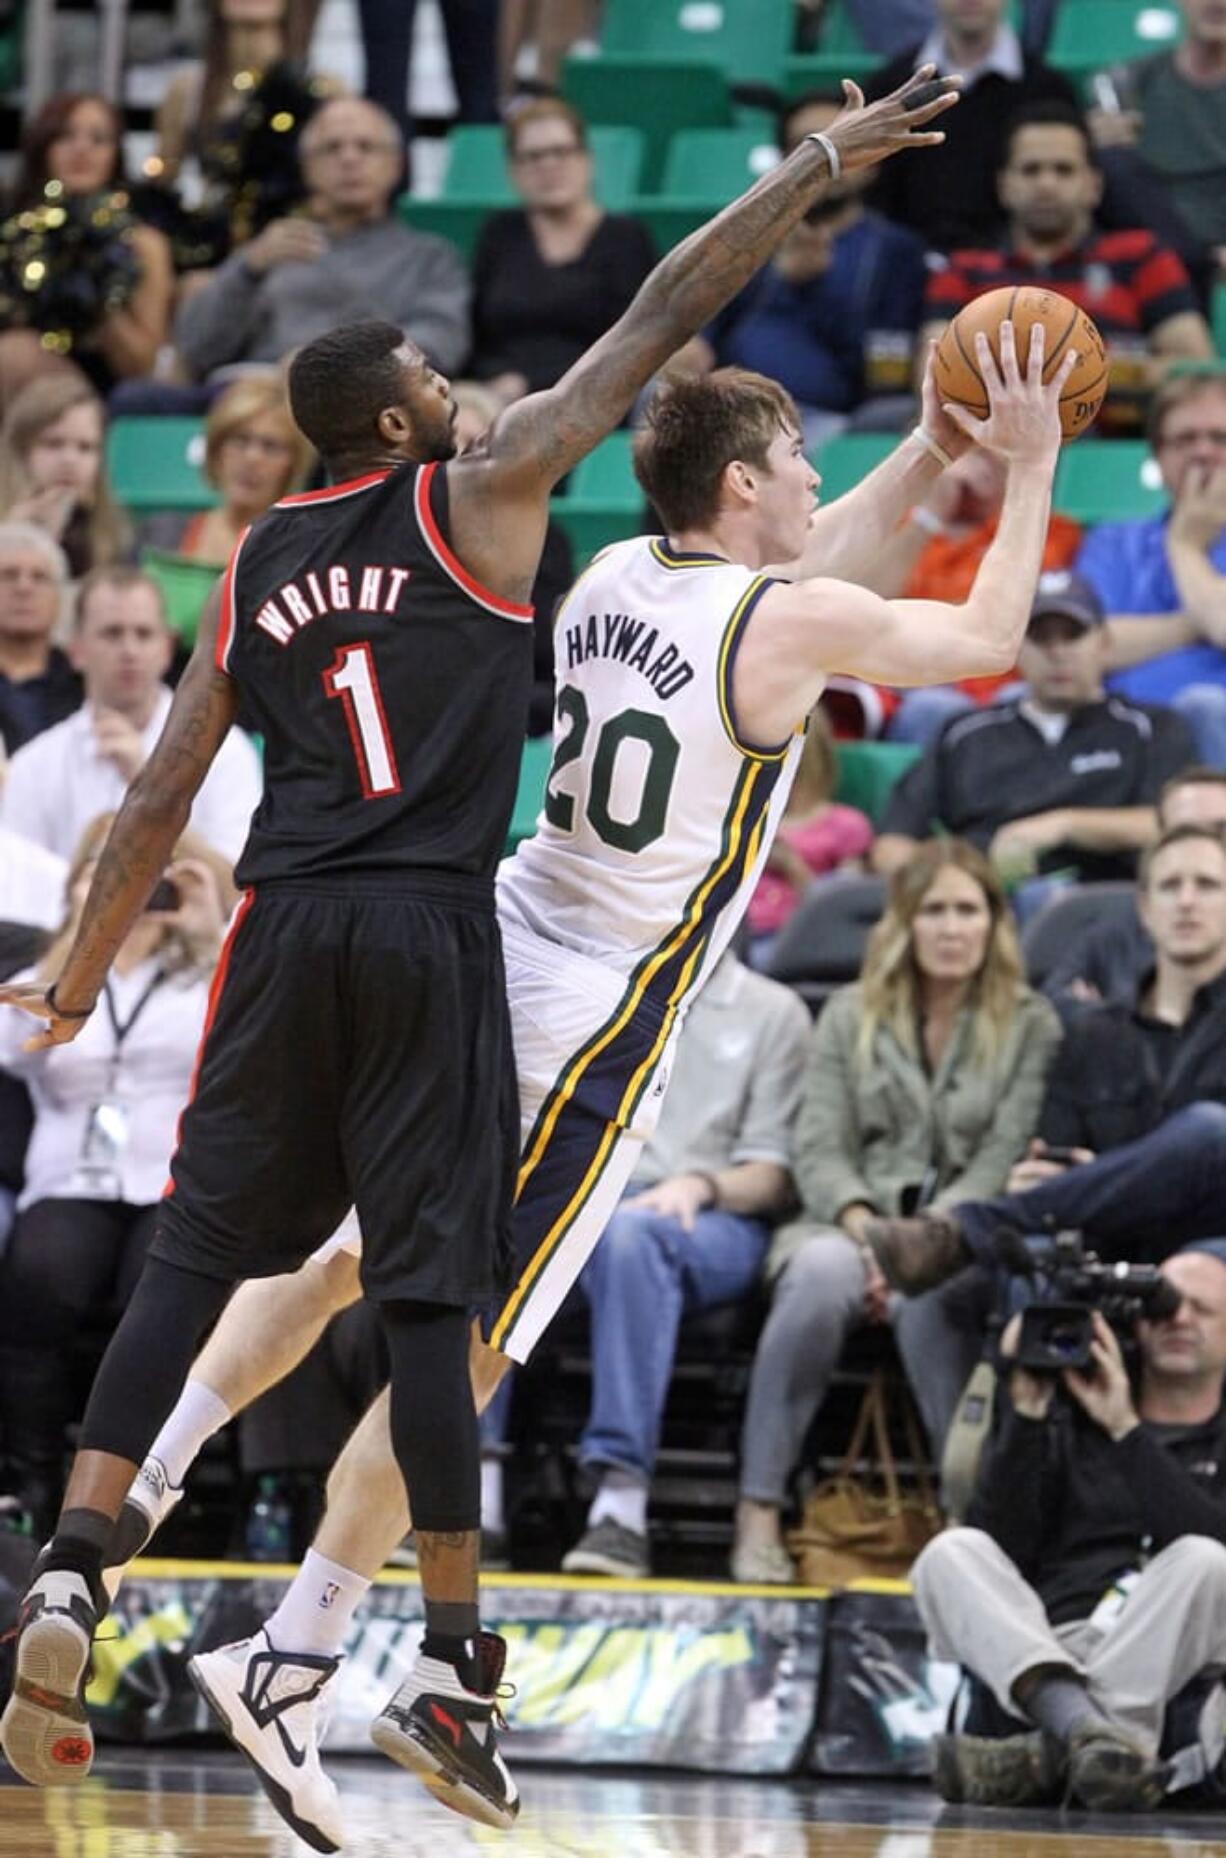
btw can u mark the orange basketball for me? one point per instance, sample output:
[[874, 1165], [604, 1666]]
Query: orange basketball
[[1065, 326]]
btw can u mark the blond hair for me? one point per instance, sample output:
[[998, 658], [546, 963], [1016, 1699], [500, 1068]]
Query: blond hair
[[175, 952], [256, 396], [39, 405], [890, 978]]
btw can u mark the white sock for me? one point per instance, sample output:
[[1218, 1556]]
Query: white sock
[[624, 1499], [199, 1414], [317, 1608], [492, 1514]]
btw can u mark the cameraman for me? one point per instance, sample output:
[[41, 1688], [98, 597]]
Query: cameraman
[[1090, 1588], [1136, 1102]]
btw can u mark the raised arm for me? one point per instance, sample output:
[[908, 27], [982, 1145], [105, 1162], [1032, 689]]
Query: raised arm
[[799, 634], [140, 843], [849, 537], [544, 436]]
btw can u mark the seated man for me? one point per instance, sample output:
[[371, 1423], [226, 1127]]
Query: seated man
[[833, 317], [38, 686], [122, 646], [1162, 578], [1137, 290], [691, 1233], [1089, 1588], [1061, 779], [1135, 1106], [950, 198], [346, 258], [1112, 958]]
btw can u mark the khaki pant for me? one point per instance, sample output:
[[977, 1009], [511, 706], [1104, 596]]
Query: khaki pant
[[979, 1612]]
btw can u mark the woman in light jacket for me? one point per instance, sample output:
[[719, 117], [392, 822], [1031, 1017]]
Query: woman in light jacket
[[106, 1113], [924, 1086]]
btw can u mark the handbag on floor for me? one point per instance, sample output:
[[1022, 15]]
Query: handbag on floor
[[867, 1526]]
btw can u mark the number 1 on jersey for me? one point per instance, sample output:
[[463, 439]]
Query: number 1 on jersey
[[351, 677]]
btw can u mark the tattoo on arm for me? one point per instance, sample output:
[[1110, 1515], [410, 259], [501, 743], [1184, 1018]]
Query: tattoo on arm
[[148, 824]]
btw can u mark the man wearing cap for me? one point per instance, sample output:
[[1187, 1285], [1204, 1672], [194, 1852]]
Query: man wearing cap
[[1087, 1595], [1064, 778]]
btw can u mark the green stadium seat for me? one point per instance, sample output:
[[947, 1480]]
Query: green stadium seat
[[844, 460], [1090, 34], [185, 585], [155, 464], [477, 167], [603, 503], [868, 772], [716, 164], [657, 95], [670, 220], [747, 39], [1108, 480], [1218, 313], [534, 767]]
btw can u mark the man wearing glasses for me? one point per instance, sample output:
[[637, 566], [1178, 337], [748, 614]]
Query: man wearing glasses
[[345, 258], [1162, 579]]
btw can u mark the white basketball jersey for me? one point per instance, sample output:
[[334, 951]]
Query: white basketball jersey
[[657, 816]]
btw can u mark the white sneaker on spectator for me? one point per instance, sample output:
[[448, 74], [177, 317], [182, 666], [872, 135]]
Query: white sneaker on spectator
[[145, 1508], [273, 1706]]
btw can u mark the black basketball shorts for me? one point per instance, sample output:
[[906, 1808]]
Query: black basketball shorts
[[357, 1050]]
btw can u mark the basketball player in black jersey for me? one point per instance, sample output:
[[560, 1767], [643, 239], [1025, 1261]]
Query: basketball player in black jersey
[[357, 1047]]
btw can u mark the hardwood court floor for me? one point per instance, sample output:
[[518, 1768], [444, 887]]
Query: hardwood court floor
[[187, 1805]]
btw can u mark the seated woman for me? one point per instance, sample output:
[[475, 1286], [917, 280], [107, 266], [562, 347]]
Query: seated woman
[[53, 472], [925, 1080], [254, 454], [816, 836], [106, 280], [552, 277], [106, 1112]]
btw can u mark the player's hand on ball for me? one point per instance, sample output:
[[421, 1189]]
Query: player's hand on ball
[[865, 134], [1023, 422]]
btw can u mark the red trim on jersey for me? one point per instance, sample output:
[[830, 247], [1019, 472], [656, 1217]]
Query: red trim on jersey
[[210, 1014], [225, 618], [348, 703], [333, 491], [449, 562]]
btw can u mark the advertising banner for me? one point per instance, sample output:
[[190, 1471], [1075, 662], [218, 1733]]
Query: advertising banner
[[658, 1674], [882, 1697]]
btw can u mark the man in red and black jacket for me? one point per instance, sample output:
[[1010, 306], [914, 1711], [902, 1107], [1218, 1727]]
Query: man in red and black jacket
[[1135, 288]]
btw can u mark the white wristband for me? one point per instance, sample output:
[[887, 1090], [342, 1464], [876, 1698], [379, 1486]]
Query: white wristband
[[829, 150], [932, 445]]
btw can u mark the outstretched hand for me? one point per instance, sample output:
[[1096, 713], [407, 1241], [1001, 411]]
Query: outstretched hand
[[866, 133], [1023, 422], [33, 998]]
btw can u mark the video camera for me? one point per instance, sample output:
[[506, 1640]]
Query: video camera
[[1058, 1329]]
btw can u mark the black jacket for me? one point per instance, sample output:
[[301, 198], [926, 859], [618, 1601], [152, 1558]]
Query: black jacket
[[1073, 1510], [1106, 1087]]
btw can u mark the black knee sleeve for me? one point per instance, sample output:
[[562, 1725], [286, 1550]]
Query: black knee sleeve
[[147, 1362], [433, 1418]]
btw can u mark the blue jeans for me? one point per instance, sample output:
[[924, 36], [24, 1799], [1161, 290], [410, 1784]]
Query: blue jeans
[[1142, 1200], [644, 1274], [1203, 708]]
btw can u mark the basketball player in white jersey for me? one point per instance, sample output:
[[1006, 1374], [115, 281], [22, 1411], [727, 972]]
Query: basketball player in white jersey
[[685, 670]]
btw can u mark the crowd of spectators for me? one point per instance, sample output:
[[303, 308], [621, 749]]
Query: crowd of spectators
[[828, 1179]]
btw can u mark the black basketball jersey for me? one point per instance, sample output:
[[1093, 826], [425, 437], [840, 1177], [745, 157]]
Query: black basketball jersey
[[390, 687]]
